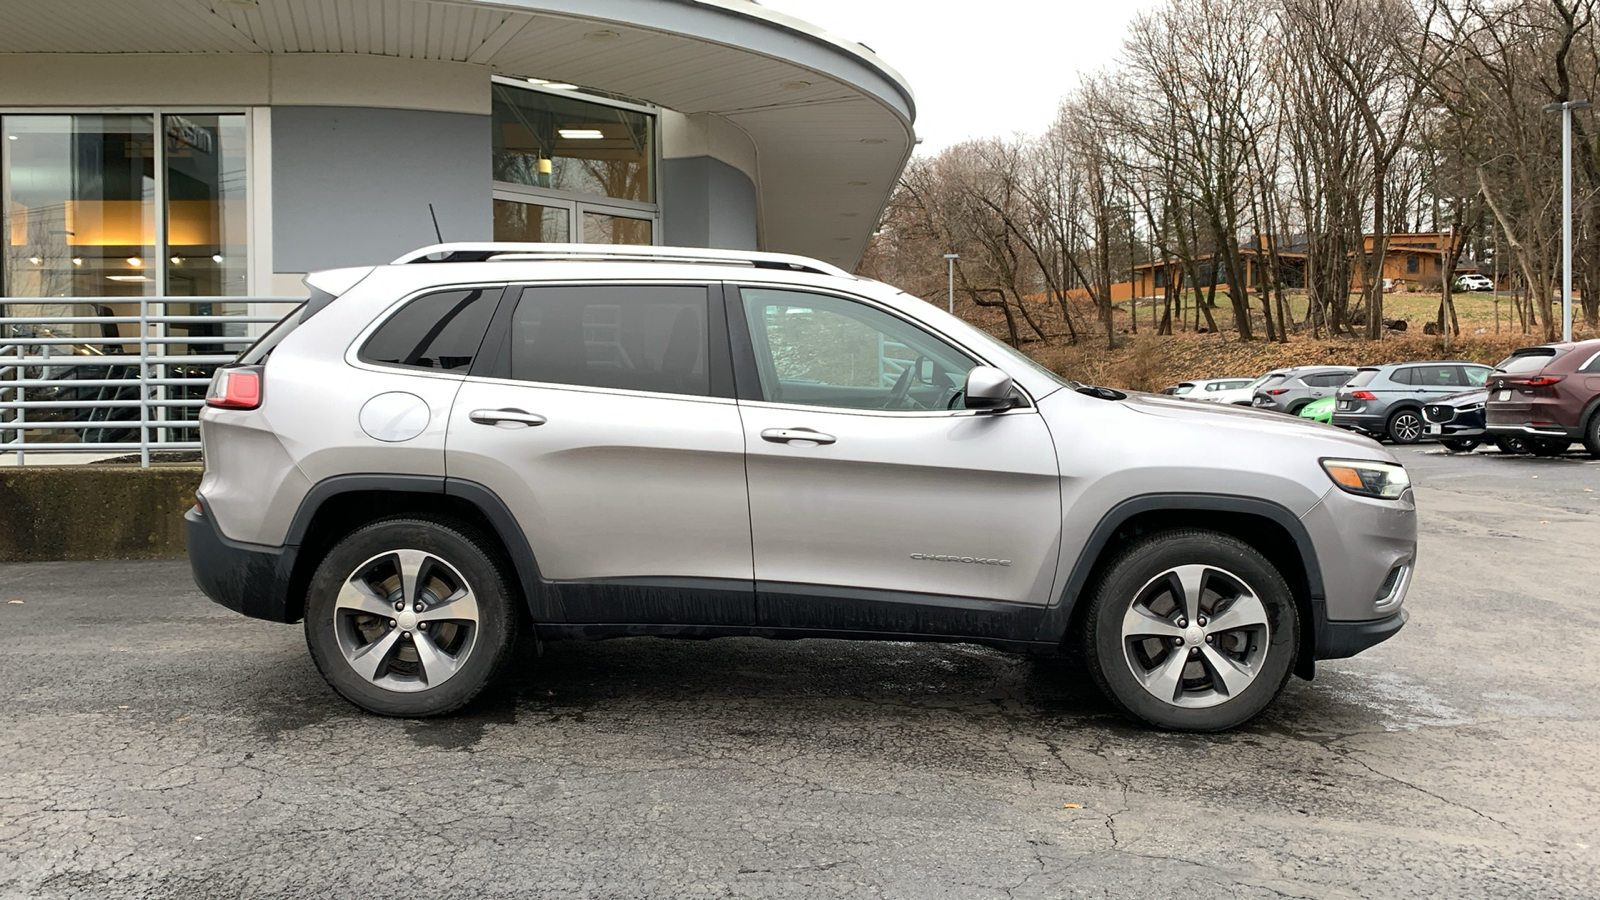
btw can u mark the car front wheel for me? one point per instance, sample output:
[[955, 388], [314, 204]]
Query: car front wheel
[[410, 616], [1460, 445], [1191, 630]]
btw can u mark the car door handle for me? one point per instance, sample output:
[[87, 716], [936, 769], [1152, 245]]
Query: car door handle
[[506, 417], [785, 435]]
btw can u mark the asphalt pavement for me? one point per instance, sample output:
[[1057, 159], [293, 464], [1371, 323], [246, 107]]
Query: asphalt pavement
[[153, 744]]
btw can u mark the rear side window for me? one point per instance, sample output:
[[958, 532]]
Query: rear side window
[[1327, 379], [1438, 376], [630, 337], [1530, 360], [1363, 377], [439, 331], [1404, 376], [1593, 365]]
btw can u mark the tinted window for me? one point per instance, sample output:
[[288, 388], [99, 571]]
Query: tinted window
[[1593, 365], [1530, 360], [1327, 379], [630, 337], [1404, 376], [1363, 377], [828, 351], [1475, 375], [1270, 381], [439, 331], [1438, 376], [1182, 389]]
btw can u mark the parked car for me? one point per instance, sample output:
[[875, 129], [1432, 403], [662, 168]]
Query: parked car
[[1205, 388], [1239, 396], [1457, 422], [1549, 396], [590, 442], [1320, 410], [1386, 401], [1288, 390], [1474, 283]]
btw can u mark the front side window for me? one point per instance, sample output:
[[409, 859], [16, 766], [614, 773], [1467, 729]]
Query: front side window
[[628, 337], [819, 350], [440, 331]]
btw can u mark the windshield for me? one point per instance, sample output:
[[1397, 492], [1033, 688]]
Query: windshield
[[1362, 378], [1006, 351], [1530, 360]]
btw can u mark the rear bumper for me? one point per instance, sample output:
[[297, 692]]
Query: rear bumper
[[1359, 422], [1339, 640], [1554, 431], [248, 578]]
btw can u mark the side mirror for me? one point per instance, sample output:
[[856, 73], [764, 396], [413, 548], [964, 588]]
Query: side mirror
[[989, 388]]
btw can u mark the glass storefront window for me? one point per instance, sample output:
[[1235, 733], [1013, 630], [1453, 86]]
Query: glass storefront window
[[563, 143], [80, 218], [605, 229], [530, 222], [206, 214]]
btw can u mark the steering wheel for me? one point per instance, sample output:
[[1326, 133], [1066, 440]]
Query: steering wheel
[[902, 387]]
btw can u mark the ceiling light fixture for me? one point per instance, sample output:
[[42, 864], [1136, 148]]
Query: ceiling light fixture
[[127, 278], [176, 260], [35, 260], [12, 136], [77, 260], [581, 134], [217, 258], [560, 86], [135, 261], [538, 81]]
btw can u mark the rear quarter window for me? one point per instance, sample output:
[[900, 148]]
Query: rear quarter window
[[1362, 378], [440, 331]]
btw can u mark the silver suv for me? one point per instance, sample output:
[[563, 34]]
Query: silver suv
[[476, 441]]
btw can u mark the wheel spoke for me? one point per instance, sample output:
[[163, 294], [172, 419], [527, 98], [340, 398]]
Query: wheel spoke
[[1191, 580], [368, 661], [1140, 621], [1245, 610], [1229, 676], [359, 596], [461, 606], [410, 563], [1166, 679], [436, 664]]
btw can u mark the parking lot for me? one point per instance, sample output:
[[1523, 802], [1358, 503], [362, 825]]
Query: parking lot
[[156, 745]]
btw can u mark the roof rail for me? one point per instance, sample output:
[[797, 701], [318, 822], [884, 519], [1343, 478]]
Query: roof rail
[[523, 252]]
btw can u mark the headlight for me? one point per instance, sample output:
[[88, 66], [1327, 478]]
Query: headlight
[[1386, 481]]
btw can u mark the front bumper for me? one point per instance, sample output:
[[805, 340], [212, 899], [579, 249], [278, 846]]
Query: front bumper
[[1340, 640], [248, 578]]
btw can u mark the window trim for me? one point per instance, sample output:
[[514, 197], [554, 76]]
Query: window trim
[[747, 374]]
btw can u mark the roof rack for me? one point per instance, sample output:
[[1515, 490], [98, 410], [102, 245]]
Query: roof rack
[[526, 252]]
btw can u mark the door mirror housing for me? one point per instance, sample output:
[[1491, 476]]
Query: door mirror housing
[[990, 389]]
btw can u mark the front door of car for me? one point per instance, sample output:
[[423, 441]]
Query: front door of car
[[603, 416], [877, 501]]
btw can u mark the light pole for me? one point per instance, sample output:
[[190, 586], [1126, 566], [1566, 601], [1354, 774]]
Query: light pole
[[950, 264], [1566, 209]]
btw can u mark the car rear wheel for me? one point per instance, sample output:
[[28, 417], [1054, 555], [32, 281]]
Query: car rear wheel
[[1460, 445], [1191, 630], [1405, 427], [1513, 445], [411, 617], [1591, 436]]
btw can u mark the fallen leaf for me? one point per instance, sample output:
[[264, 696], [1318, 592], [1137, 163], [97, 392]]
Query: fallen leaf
[[1585, 490], [1072, 806], [1544, 521], [14, 602], [122, 707], [1536, 476]]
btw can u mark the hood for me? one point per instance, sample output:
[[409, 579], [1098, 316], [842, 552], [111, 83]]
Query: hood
[[1464, 398], [1247, 420]]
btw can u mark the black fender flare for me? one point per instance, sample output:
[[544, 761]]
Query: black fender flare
[[1058, 616]]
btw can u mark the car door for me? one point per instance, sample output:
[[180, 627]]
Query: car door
[[604, 419], [877, 501]]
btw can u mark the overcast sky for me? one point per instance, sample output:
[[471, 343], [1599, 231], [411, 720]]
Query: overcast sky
[[980, 69]]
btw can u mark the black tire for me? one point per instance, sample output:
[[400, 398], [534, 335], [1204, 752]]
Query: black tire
[[1143, 574], [1512, 445], [473, 651], [1296, 408], [1405, 426], [1460, 445], [1548, 446], [1591, 435]]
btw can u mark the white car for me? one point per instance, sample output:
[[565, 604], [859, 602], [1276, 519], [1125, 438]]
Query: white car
[[1474, 283], [1242, 395], [1206, 388]]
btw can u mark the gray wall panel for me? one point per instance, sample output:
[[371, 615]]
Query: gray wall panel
[[707, 203], [351, 186]]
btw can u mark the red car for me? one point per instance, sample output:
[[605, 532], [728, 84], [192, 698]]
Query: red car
[[1549, 396]]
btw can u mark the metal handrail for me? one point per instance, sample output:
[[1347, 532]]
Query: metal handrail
[[130, 400]]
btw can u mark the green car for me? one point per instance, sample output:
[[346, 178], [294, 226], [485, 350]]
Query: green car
[[1318, 410]]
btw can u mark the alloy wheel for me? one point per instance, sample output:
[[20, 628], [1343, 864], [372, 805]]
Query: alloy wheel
[[1195, 636], [406, 620], [1405, 428]]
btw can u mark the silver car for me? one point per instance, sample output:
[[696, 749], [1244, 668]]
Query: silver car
[[432, 457], [1291, 390]]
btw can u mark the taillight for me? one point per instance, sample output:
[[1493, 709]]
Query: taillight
[[1363, 395], [1537, 380], [1276, 391], [235, 387]]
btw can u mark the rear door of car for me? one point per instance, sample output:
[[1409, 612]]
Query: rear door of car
[[878, 502], [603, 415]]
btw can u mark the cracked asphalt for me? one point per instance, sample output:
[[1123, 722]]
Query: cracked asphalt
[[153, 744]]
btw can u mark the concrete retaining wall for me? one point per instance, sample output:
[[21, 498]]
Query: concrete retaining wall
[[94, 512]]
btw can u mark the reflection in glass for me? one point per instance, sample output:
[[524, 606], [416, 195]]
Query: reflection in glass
[[81, 217], [530, 222], [603, 229], [205, 160], [567, 144]]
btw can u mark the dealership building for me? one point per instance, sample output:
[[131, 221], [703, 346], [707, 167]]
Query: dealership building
[[226, 147]]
